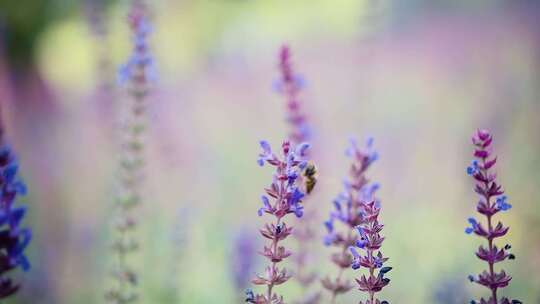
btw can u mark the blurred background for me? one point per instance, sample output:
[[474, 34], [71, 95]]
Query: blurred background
[[420, 76]]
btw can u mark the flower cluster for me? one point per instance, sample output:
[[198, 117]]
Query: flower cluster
[[13, 237], [370, 242], [284, 196], [290, 85], [492, 201], [356, 208], [139, 69], [132, 160]]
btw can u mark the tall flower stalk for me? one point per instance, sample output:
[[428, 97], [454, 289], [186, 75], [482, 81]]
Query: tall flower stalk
[[14, 238], [371, 256], [135, 74], [355, 209], [290, 86], [492, 201], [283, 196]]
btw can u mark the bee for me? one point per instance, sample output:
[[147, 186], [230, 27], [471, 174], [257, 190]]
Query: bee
[[310, 177]]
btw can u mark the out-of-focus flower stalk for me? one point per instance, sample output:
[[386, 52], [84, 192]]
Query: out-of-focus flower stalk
[[492, 201], [286, 195], [136, 75], [369, 228], [243, 258], [95, 11], [290, 85], [356, 208]]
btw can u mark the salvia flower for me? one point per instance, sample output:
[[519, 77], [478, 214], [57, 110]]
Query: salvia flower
[[139, 68], [492, 201], [290, 85], [370, 256], [14, 238], [355, 210], [283, 197], [136, 74]]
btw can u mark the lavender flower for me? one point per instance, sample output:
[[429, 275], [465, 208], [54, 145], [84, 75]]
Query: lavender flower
[[136, 71], [13, 237], [356, 209], [488, 189], [284, 196], [290, 85]]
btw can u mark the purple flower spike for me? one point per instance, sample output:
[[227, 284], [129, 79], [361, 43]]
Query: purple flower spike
[[487, 187], [290, 86], [286, 194], [139, 68], [137, 75], [14, 238], [370, 242], [357, 209]]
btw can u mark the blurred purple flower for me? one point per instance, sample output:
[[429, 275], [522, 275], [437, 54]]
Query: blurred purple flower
[[289, 85], [243, 258], [13, 238], [138, 73], [450, 291], [139, 68], [356, 190], [356, 208], [487, 188]]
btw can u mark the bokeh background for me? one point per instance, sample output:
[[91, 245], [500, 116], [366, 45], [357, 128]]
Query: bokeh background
[[420, 76]]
